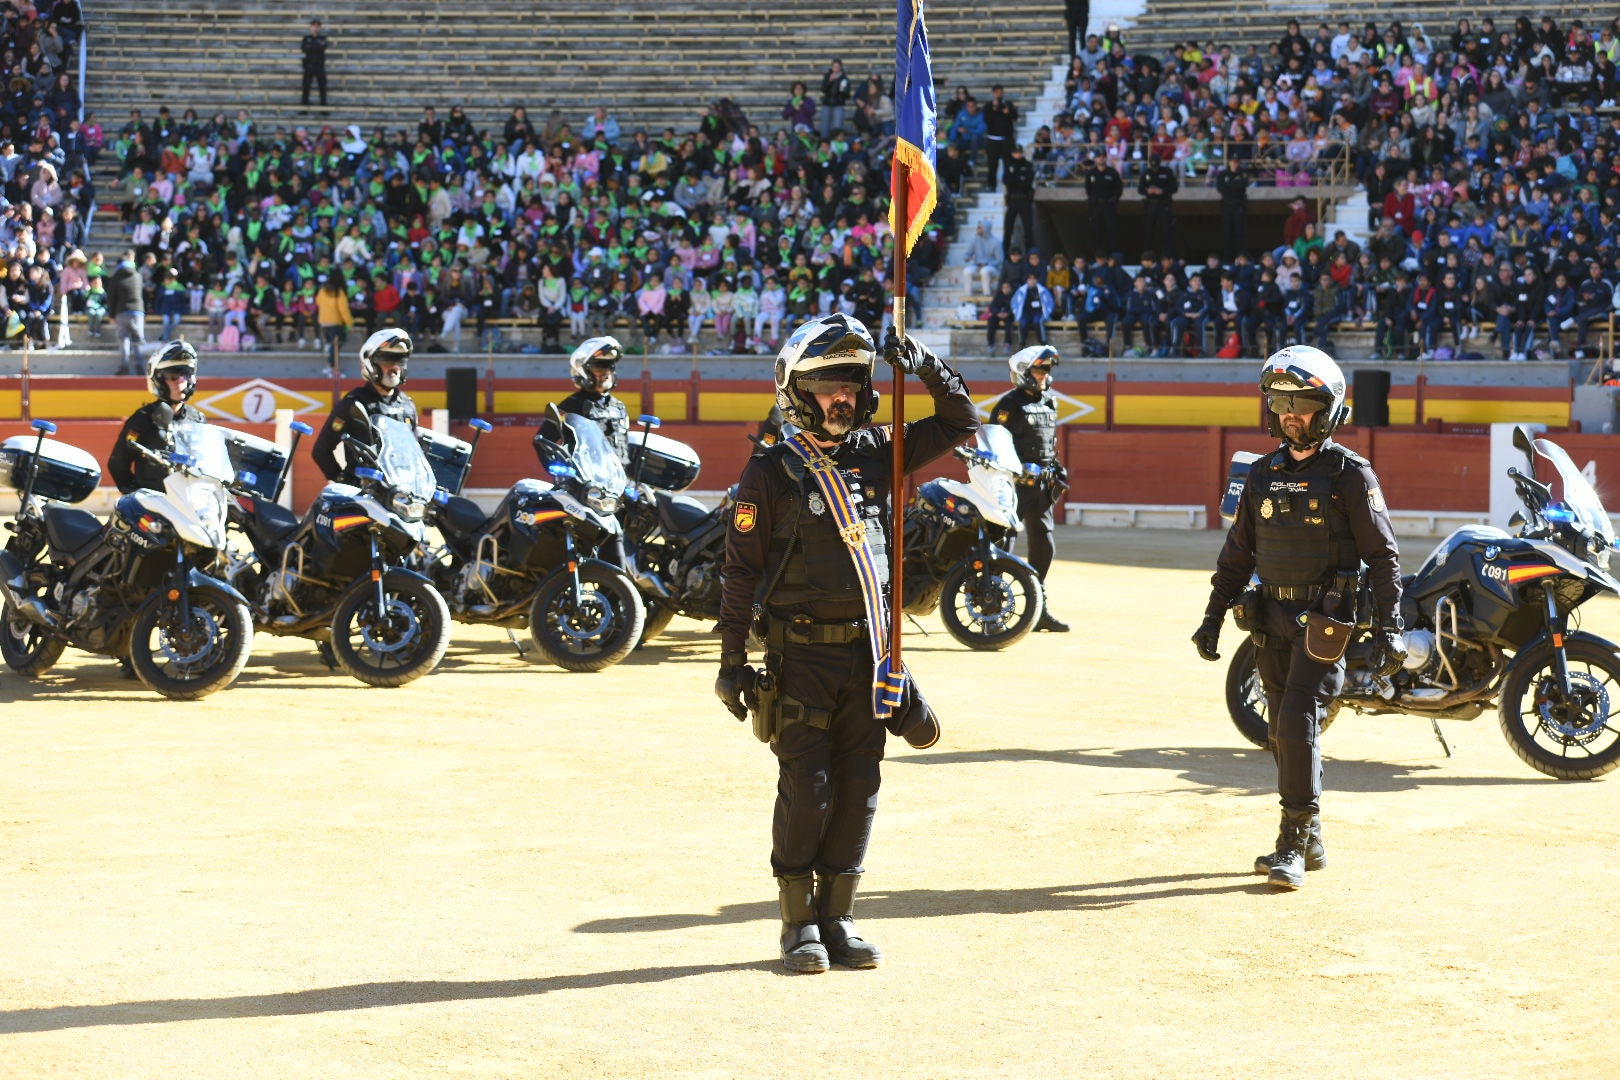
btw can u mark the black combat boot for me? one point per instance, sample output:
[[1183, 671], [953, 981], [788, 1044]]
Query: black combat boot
[[1051, 624], [802, 950], [1315, 853], [835, 900], [1288, 864]]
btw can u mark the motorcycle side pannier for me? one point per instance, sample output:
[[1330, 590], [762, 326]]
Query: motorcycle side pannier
[[66, 473], [258, 462], [670, 465]]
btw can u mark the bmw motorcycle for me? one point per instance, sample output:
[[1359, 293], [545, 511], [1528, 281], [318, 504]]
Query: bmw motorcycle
[[675, 546], [1492, 619], [956, 557], [139, 587], [535, 561], [339, 575]]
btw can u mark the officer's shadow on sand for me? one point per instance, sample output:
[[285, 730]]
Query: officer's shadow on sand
[[934, 903], [1219, 770]]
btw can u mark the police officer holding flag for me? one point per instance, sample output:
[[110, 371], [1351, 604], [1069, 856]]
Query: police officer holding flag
[[806, 569], [1310, 513]]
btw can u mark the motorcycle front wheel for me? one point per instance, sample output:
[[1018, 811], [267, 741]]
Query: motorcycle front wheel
[[187, 660], [992, 608], [1574, 736], [593, 631], [398, 645], [27, 648]]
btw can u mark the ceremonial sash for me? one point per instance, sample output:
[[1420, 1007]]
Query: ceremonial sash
[[888, 687]]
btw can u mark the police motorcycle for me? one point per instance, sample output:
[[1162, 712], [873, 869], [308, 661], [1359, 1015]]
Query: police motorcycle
[[535, 561], [139, 587], [674, 545], [1492, 619], [957, 540], [339, 574]]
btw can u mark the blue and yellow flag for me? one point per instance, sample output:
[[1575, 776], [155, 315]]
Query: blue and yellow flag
[[914, 123]]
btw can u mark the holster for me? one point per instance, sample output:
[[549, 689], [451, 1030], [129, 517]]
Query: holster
[[1245, 609], [776, 711], [764, 715]]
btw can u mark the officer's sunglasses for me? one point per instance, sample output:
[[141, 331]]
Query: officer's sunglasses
[[1297, 404]]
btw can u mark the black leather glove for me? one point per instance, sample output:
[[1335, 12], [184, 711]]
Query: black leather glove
[[735, 683], [908, 354], [1388, 652], [1208, 638]]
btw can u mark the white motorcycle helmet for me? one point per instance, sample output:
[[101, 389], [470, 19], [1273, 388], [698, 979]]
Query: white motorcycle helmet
[[598, 352], [823, 344], [1301, 374], [175, 356], [388, 344], [1019, 363]]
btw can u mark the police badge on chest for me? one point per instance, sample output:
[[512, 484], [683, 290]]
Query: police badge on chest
[[818, 505]]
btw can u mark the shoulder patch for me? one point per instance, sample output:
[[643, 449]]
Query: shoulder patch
[[744, 517], [1375, 499]]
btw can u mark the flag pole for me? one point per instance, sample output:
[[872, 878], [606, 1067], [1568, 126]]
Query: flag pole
[[897, 485]]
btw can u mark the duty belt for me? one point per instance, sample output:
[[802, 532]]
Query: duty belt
[[1293, 592], [802, 630]]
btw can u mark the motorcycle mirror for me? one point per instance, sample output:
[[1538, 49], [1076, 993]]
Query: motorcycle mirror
[[478, 424], [301, 428], [163, 415], [649, 420], [1517, 521], [1525, 444], [44, 427], [365, 473], [360, 418]]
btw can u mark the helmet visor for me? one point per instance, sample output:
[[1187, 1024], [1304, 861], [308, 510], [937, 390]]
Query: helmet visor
[[1295, 404], [176, 374], [832, 380]]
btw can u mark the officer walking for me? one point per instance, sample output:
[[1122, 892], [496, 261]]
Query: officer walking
[[1029, 413], [1309, 515], [808, 545], [172, 374], [384, 359], [593, 367]]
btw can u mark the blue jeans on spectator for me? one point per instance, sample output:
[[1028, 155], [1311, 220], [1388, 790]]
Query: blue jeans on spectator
[[1199, 326], [832, 118], [171, 327]]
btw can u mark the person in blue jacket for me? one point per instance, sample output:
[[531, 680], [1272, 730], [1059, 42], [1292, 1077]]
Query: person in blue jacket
[[1032, 307]]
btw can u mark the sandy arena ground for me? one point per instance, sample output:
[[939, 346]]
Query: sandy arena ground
[[511, 871]]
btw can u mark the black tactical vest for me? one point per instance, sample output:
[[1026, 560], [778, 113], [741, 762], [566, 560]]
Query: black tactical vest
[[1300, 536], [1032, 423], [818, 565], [609, 412]]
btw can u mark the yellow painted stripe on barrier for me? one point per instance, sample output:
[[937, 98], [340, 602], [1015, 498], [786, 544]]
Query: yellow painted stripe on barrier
[[87, 404], [1477, 411], [1401, 411], [10, 404], [917, 406], [671, 405], [1186, 410], [717, 405], [435, 399], [524, 401]]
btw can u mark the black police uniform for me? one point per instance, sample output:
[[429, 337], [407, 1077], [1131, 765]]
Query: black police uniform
[[397, 404], [1030, 417], [609, 412], [130, 469], [1298, 525], [1158, 212], [827, 742]]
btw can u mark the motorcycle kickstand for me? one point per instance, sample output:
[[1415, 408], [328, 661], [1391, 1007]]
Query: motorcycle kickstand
[[1435, 724], [516, 644], [912, 619]]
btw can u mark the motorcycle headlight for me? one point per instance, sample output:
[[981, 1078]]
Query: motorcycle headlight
[[600, 500], [406, 506], [1007, 497], [208, 503]]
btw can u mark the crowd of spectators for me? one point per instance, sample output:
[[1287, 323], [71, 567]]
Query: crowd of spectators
[[1488, 156], [574, 225]]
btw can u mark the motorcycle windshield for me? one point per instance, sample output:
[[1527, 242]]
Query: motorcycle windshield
[[998, 441], [401, 461], [597, 461], [206, 446], [1578, 493]]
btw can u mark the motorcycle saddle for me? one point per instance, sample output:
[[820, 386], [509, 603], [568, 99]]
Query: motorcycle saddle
[[680, 514], [270, 522], [460, 516], [69, 531]]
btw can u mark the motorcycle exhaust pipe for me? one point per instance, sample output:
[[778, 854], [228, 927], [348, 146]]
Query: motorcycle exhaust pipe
[[15, 587]]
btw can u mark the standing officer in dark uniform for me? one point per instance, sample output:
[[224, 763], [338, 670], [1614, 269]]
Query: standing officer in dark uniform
[[1104, 186], [1158, 185], [314, 48], [1000, 125], [1309, 515], [1020, 196], [787, 555], [172, 373], [384, 359], [1232, 183], [1029, 413], [593, 368]]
